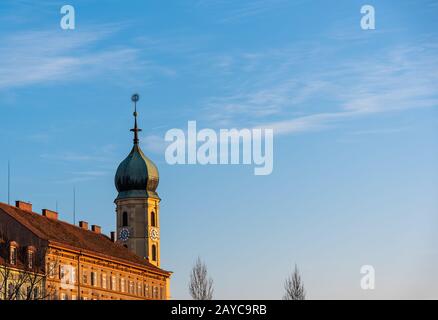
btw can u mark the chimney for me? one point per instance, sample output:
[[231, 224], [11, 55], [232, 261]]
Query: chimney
[[83, 225], [113, 236], [96, 229], [24, 205], [50, 214]]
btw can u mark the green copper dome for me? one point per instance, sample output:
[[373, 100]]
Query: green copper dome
[[137, 176]]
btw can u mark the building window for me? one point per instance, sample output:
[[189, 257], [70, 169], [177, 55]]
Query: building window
[[13, 255], [124, 219], [52, 292], [73, 274], [11, 291], [131, 287], [139, 291], [122, 285], [30, 258], [63, 296], [36, 295], [62, 273], [155, 292], [153, 219], [154, 252], [103, 280], [93, 278], [67, 274], [146, 290], [84, 277], [113, 283], [51, 269]]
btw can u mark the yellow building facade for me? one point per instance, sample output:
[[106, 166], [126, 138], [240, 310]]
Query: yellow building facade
[[73, 275]]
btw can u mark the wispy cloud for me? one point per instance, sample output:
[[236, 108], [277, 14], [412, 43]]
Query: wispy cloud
[[102, 155], [239, 10], [35, 57], [268, 89], [39, 137], [154, 143], [315, 122], [396, 79], [379, 131], [72, 157], [82, 176], [74, 180], [260, 102], [91, 173], [85, 161]]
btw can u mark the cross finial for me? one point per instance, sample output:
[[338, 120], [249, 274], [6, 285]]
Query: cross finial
[[135, 97]]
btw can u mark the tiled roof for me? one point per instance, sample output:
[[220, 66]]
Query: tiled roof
[[74, 237]]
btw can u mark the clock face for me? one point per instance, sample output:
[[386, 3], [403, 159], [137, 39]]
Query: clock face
[[124, 234], [154, 234]]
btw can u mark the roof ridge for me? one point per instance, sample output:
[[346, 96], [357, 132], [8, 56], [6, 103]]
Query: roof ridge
[[54, 220]]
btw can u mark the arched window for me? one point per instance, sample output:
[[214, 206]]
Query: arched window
[[154, 252], [124, 219], [153, 219]]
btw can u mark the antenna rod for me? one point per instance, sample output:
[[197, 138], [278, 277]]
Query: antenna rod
[[9, 182], [74, 205]]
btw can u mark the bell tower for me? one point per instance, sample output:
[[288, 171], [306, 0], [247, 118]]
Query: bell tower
[[137, 203]]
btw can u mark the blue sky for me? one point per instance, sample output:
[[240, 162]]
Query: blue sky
[[354, 114]]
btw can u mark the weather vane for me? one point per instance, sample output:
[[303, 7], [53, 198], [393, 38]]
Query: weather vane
[[135, 97]]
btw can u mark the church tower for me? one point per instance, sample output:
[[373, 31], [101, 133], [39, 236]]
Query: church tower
[[138, 204]]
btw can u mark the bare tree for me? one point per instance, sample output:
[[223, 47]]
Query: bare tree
[[200, 285], [21, 284], [294, 287]]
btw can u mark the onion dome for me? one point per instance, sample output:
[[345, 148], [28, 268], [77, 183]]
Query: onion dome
[[137, 176]]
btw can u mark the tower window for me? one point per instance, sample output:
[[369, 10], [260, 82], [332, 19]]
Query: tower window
[[154, 252], [125, 219], [153, 219]]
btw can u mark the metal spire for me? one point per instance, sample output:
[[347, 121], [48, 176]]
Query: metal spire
[[135, 97]]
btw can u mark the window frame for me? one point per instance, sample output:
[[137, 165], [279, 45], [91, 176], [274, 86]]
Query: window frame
[[93, 278], [13, 254], [154, 253], [113, 285], [125, 219], [153, 219], [30, 258], [103, 280]]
